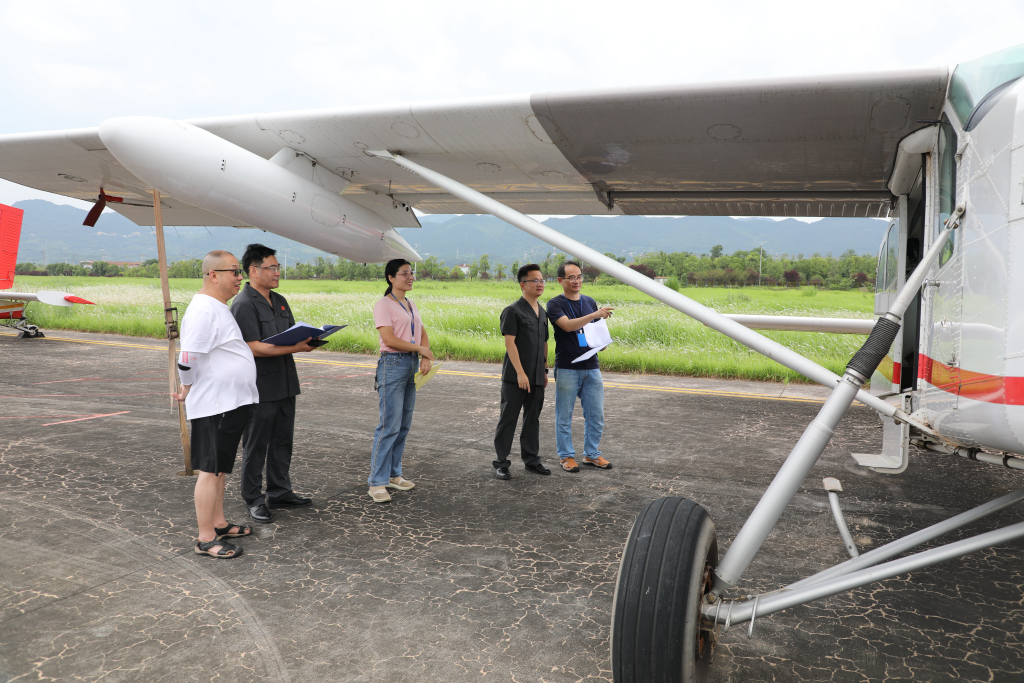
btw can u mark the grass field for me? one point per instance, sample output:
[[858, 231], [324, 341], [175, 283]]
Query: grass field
[[462, 320]]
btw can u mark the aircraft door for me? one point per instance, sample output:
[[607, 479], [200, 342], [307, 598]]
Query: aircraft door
[[912, 214], [886, 377], [944, 288]]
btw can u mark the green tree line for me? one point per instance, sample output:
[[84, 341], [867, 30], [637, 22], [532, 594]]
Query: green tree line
[[715, 269], [750, 267]]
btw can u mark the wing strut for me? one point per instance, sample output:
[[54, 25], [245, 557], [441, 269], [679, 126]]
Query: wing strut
[[817, 435], [753, 340], [172, 332]]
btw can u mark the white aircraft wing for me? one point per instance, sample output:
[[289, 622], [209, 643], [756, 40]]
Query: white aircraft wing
[[74, 163], [811, 146]]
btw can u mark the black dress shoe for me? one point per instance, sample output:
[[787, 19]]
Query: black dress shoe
[[502, 473], [538, 468], [260, 513], [290, 500]]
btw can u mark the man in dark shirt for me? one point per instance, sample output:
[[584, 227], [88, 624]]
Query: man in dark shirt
[[570, 312], [524, 325], [267, 440]]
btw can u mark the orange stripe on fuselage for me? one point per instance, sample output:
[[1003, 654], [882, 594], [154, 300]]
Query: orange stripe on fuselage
[[973, 385], [14, 311], [890, 369]]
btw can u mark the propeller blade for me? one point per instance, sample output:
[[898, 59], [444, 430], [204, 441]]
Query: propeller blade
[[96, 210]]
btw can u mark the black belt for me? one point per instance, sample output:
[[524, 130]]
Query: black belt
[[396, 353]]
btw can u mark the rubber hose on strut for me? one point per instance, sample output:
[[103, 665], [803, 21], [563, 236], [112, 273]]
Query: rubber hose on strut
[[877, 345]]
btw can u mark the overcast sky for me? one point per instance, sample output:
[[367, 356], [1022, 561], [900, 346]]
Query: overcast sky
[[74, 64]]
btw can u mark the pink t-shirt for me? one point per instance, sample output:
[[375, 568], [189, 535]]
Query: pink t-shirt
[[389, 313]]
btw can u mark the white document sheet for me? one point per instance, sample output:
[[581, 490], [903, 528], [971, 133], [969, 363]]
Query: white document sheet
[[598, 338], [597, 333], [590, 353]]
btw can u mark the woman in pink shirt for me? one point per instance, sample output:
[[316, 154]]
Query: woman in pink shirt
[[404, 349]]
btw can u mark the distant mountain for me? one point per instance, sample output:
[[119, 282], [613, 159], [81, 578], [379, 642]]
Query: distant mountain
[[465, 238], [54, 232]]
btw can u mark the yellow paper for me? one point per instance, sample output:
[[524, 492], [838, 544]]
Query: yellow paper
[[422, 379]]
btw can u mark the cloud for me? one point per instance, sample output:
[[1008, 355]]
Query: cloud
[[68, 65]]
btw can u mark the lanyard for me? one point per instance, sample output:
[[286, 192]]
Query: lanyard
[[411, 317], [581, 336], [570, 306]]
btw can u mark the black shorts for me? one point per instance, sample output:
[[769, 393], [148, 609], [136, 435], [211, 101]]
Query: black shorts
[[215, 440]]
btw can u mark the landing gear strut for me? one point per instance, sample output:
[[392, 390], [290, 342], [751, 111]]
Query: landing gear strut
[[27, 330]]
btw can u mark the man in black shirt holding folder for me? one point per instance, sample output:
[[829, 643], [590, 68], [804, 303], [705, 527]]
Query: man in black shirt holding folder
[[267, 440]]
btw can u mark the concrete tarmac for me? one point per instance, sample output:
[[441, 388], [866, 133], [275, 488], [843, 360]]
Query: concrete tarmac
[[465, 578]]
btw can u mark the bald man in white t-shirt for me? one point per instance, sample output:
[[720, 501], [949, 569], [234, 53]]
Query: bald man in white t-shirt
[[218, 386]]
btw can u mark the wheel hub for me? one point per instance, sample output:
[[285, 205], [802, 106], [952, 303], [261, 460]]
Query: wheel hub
[[707, 634]]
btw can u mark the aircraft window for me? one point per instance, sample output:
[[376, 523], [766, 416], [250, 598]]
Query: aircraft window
[[986, 105], [973, 81], [947, 184], [892, 257], [880, 271]]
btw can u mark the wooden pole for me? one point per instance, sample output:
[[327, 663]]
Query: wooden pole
[[172, 333]]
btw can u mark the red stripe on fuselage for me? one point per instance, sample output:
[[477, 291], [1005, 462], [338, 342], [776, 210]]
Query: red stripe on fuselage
[[977, 386]]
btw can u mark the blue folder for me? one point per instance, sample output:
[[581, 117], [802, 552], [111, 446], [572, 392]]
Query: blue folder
[[301, 331]]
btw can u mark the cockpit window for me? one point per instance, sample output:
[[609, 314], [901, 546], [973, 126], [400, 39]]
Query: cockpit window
[[880, 270], [892, 258], [973, 81]]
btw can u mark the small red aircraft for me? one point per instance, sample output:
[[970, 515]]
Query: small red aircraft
[[12, 304]]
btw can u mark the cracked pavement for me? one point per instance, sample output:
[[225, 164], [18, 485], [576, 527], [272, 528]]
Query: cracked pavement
[[465, 578]]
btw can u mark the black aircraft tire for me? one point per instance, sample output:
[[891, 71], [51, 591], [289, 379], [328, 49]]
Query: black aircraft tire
[[666, 568]]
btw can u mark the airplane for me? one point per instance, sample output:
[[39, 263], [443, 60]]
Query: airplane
[[12, 304], [937, 151]]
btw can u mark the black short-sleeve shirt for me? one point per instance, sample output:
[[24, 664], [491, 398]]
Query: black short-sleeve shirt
[[531, 333], [567, 345], [258, 319]]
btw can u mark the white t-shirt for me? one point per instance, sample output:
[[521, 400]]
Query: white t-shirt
[[226, 378]]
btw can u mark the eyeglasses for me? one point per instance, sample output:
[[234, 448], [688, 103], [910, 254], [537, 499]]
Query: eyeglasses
[[574, 278], [405, 273], [234, 271], [536, 282], [272, 269]]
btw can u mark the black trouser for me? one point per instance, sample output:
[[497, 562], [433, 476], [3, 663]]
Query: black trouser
[[514, 400], [268, 440]]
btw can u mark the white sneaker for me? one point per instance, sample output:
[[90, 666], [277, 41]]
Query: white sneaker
[[400, 484]]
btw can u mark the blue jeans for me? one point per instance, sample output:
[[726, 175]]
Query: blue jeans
[[397, 392], [588, 385]]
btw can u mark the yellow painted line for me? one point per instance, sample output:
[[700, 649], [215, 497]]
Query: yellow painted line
[[469, 374], [608, 385], [714, 392], [98, 343], [336, 362]]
